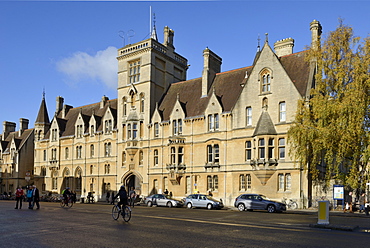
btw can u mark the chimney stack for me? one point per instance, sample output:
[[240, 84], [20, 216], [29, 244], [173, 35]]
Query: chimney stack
[[211, 66], [59, 104], [8, 127], [103, 101], [168, 37], [284, 47], [316, 30], [23, 125]]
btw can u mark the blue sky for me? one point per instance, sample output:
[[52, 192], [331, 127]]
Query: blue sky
[[69, 48]]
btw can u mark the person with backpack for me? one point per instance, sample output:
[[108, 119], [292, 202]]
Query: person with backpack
[[19, 197]]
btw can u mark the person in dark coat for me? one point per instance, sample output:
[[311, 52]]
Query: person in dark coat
[[122, 194], [36, 197]]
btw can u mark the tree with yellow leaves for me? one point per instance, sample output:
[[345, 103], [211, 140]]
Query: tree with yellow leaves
[[330, 135]]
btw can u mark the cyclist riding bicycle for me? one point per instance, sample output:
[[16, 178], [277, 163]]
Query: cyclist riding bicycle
[[66, 195], [122, 193]]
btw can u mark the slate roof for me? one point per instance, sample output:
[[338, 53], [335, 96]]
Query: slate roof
[[42, 116], [19, 140], [298, 70], [67, 124], [265, 126], [227, 86]]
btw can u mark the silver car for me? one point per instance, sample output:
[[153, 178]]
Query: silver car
[[202, 201], [162, 200], [258, 202]]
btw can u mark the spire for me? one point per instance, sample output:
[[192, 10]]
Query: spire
[[258, 43], [43, 116], [153, 34]]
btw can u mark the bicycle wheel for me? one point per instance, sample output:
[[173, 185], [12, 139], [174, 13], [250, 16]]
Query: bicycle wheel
[[62, 204], [293, 205], [126, 213], [70, 203], [116, 212]]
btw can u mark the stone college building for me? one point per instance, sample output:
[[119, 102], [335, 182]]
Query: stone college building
[[224, 132]]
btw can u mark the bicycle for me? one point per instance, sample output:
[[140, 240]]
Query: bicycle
[[117, 211], [66, 203], [290, 203]]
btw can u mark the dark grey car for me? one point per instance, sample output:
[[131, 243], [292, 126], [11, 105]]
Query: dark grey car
[[258, 202]]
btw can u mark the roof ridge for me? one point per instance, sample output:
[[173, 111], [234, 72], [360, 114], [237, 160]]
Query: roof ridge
[[115, 99], [234, 70], [293, 54]]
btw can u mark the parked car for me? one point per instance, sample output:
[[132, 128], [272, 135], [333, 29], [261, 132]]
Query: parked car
[[258, 202], [202, 201], [162, 200]]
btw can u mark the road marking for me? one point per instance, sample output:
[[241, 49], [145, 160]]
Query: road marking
[[231, 224]]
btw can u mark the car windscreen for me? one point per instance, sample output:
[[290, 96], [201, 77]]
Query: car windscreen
[[212, 199], [264, 197]]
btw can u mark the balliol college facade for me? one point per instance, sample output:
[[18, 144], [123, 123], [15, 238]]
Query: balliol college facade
[[224, 132]]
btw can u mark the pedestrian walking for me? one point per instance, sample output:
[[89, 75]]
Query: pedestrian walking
[[19, 197], [107, 197], [132, 194], [361, 201], [35, 197], [348, 203]]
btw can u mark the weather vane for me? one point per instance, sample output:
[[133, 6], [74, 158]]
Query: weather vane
[[129, 34]]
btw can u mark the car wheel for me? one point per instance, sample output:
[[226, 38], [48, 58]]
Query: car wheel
[[271, 208], [169, 204], [241, 207], [189, 205], [209, 206], [149, 204]]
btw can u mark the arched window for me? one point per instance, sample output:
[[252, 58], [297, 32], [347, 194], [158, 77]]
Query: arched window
[[265, 81]]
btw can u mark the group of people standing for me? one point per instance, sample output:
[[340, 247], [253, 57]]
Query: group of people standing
[[349, 202], [32, 194]]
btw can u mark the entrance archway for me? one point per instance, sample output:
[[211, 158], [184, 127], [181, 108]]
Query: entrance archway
[[132, 179]]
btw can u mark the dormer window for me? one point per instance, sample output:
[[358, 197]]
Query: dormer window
[[156, 129], [177, 127], [79, 131], [213, 122], [108, 126], [54, 134], [134, 71], [92, 130], [265, 81]]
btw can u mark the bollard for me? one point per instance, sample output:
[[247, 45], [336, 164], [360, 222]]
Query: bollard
[[323, 213]]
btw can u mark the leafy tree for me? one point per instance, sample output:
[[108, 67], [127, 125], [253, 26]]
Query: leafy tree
[[330, 135]]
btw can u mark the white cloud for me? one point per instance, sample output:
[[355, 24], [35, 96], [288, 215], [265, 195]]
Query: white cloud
[[101, 67]]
